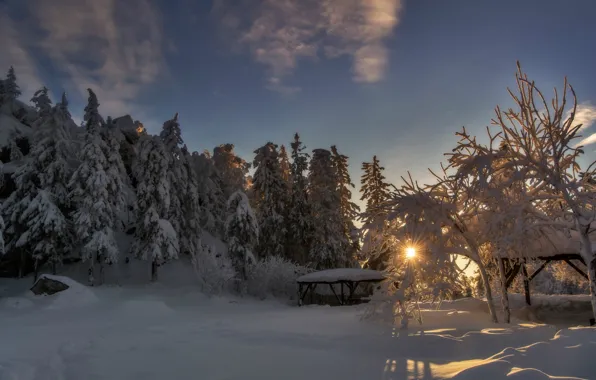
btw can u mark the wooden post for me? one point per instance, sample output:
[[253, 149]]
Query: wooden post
[[526, 284]]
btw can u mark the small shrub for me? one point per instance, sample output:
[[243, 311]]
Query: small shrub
[[274, 276]]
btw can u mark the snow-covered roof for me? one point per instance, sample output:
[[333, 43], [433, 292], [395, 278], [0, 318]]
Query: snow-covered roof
[[556, 243], [342, 274]]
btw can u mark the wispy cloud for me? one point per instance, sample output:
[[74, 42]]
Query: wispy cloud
[[14, 53], [280, 32], [585, 115], [111, 46], [588, 140]]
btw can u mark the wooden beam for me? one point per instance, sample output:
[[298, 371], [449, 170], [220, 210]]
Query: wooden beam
[[526, 285], [578, 269], [540, 268], [341, 301], [511, 275]]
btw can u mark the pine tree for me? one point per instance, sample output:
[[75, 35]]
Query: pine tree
[[242, 232], [211, 196], [35, 210], [11, 88], [349, 209], [171, 136], [329, 242], [231, 169], [190, 240], [270, 192], [43, 104], [95, 216], [15, 151], [284, 164], [375, 192], [155, 238], [116, 172], [299, 224]]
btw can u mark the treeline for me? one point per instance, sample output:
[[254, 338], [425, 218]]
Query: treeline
[[76, 189]]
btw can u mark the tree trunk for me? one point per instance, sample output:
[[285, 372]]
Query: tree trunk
[[90, 277], [488, 292], [504, 295], [35, 270], [22, 263], [154, 270], [54, 267], [590, 259]]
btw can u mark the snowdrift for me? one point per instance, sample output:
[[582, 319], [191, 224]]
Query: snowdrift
[[77, 295]]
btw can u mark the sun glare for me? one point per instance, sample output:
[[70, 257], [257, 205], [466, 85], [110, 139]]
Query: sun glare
[[410, 252]]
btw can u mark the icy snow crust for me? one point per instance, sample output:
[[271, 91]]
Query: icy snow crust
[[158, 332], [342, 274]]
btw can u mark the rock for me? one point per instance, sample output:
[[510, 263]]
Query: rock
[[48, 286]]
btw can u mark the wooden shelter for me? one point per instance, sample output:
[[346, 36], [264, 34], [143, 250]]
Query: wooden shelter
[[348, 278], [552, 247]]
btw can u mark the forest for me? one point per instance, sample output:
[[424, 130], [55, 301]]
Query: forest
[[73, 193]]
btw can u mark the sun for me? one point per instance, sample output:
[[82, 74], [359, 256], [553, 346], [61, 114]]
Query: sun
[[410, 252]]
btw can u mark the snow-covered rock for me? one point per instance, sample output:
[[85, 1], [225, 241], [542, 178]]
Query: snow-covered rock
[[74, 295]]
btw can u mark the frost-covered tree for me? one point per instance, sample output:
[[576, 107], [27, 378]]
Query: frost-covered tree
[[270, 194], [43, 104], [242, 231], [329, 245], [118, 179], [155, 239], [232, 169], [35, 210], [349, 209], [171, 136], [11, 88], [284, 165], [211, 196], [94, 219], [190, 238], [15, 151], [299, 222], [542, 151], [375, 192]]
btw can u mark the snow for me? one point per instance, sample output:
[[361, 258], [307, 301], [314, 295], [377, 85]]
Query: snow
[[342, 274], [158, 332], [9, 126]]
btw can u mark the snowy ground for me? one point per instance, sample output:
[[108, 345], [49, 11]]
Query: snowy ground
[[154, 332]]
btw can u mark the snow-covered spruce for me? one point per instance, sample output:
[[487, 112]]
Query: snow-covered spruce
[[232, 170], [299, 220], [375, 192], [270, 200], [242, 232], [95, 216], [349, 210], [155, 239], [329, 242], [211, 196]]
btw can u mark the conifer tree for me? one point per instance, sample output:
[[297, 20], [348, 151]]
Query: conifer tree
[[232, 169], [116, 172], [211, 196], [242, 232], [349, 209], [15, 151], [11, 88], [190, 240], [300, 226], [270, 192], [95, 216], [329, 242], [375, 192], [35, 210], [171, 136], [155, 238], [284, 165], [43, 104]]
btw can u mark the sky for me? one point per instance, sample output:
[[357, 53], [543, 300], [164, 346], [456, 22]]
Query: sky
[[392, 78]]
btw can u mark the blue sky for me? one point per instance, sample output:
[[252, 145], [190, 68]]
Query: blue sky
[[386, 77]]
